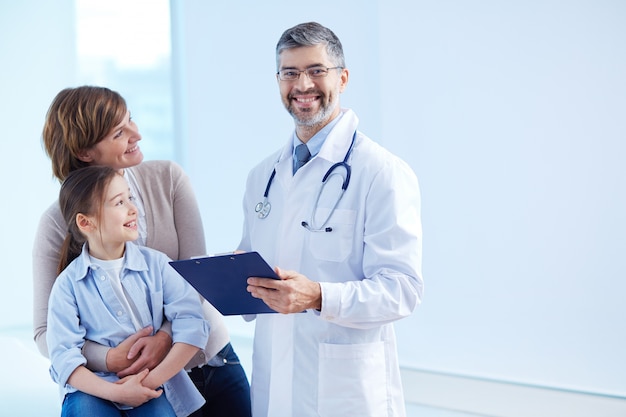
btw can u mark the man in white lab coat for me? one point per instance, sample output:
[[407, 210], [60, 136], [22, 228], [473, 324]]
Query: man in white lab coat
[[349, 262]]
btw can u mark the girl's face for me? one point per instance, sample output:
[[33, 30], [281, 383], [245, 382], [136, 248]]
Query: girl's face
[[117, 223], [118, 149]]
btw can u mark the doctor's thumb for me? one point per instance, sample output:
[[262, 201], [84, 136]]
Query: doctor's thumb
[[278, 271]]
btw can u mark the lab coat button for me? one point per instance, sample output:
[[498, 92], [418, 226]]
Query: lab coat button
[[102, 278], [119, 313]]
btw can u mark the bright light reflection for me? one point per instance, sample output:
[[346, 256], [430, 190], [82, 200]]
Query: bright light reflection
[[132, 34]]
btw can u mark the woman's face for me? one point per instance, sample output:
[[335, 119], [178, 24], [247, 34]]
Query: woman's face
[[118, 149]]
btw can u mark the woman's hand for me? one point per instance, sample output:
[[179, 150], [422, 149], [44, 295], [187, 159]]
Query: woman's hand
[[138, 352]]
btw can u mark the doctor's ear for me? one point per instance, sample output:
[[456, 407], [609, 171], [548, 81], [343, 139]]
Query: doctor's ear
[[345, 75]]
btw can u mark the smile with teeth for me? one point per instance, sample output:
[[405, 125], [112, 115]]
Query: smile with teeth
[[133, 149], [305, 100], [131, 224]]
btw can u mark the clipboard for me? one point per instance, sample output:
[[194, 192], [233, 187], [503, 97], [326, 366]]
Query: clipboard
[[221, 280]]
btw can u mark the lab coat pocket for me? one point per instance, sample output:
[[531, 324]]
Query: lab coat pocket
[[352, 380], [334, 245]]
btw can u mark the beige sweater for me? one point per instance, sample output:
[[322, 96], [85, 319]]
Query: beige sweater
[[174, 226]]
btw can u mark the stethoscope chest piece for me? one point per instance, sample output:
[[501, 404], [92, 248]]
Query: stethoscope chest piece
[[263, 208]]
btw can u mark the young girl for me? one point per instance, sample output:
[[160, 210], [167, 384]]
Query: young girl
[[110, 288]]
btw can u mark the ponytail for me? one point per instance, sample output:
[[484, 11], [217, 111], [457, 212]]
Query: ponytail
[[69, 251]]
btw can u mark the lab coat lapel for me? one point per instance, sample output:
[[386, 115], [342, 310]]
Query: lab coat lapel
[[338, 141]]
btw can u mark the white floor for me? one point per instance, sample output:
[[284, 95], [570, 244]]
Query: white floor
[[27, 390]]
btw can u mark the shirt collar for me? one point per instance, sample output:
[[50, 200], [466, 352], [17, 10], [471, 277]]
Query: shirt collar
[[133, 260], [315, 143]]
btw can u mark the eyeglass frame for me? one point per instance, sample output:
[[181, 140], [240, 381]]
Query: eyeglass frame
[[306, 71]]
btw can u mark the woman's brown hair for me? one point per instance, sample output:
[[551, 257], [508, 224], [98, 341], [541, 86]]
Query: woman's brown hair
[[77, 120]]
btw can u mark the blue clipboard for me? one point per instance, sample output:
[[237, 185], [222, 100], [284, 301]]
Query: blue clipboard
[[221, 280]]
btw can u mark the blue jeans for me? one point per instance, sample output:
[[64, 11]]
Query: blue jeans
[[79, 404], [225, 387]]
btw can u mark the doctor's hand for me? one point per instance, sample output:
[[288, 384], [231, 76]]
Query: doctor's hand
[[293, 293]]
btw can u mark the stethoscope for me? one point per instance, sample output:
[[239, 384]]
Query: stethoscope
[[264, 207]]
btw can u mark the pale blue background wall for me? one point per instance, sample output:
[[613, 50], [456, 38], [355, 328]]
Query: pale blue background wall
[[38, 58]]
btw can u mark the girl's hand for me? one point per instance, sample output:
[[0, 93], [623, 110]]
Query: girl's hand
[[132, 392]]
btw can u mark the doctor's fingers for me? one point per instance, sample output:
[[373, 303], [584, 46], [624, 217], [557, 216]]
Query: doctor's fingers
[[261, 292], [272, 298], [263, 282], [279, 301], [288, 274], [267, 287]]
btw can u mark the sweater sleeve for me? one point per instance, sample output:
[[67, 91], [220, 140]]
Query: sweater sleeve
[[172, 213], [187, 217], [45, 257]]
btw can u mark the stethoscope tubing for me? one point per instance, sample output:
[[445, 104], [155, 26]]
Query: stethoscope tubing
[[264, 207]]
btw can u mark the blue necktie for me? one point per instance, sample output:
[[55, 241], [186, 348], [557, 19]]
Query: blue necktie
[[302, 156]]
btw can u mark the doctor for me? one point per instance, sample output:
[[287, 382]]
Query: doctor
[[355, 240]]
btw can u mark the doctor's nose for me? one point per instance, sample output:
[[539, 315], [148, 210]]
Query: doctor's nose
[[303, 82]]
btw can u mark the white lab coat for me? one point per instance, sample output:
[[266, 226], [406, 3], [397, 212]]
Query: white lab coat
[[341, 361]]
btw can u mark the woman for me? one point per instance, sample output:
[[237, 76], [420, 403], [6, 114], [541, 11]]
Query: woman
[[92, 126]]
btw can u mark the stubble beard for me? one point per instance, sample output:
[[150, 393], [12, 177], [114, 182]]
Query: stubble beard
[[308, 119]]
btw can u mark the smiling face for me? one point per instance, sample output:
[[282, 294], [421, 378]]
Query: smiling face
[[118, 149], [312, 103], [116, 223]]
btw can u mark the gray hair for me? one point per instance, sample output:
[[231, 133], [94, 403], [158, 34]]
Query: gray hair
[[311, 34]]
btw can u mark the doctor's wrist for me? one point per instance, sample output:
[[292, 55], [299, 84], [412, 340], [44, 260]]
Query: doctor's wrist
[[317, 304]]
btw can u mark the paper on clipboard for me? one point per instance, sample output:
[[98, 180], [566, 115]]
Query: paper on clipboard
[[222, 280]]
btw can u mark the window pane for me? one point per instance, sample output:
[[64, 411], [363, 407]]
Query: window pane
[[125, 46]]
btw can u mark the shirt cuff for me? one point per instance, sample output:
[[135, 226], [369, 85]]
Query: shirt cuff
[[167, 327], [331, 300], [96, 356]]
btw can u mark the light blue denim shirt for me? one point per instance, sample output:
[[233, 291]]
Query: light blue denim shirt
[[83, 305]]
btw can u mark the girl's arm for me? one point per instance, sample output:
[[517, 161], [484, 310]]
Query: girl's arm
[[129, 392], [176, 359]]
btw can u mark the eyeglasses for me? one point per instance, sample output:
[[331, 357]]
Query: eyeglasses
[[312, 73]]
